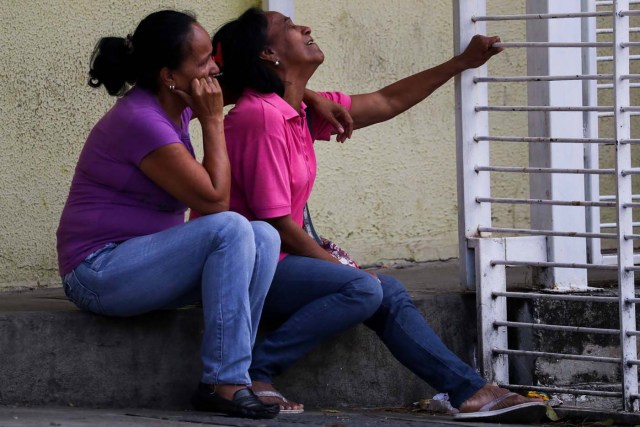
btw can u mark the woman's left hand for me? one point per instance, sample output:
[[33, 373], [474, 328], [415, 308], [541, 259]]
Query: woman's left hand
[[334, 113], [479, 51]]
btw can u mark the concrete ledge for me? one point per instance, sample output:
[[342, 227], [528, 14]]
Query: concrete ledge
[[53, 354]]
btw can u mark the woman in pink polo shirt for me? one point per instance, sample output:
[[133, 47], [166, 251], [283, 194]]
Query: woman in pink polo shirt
[[267, 60]]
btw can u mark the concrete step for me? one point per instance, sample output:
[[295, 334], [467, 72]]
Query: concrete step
[[51, 353]]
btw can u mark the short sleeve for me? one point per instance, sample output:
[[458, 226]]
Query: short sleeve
[[320, 128], [148, 133]]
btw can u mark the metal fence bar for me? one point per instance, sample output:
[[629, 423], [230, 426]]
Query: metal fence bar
[[557, 355], [530, 232], [558, 297], [545, 170], [610, 85], [554, 264], [624, 192], [509, 79], [538, 326], [610, 58], [551, 44], [507, 200], [610, 30], [540, 108], [527, 16], [541, 139]]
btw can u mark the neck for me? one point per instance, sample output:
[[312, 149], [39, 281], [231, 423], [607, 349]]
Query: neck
[[294, 86], [171, 104]]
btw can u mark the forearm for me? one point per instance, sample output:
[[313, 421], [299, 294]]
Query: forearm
[[296, 241], [216, 162], [388, 102]]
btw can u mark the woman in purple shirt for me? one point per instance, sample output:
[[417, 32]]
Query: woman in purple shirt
[[123, 246], [267, 61]]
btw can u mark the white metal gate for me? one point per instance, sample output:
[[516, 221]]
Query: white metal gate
[[565, 149]]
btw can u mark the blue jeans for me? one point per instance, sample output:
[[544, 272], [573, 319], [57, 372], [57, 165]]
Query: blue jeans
[[222, 260], [318, 299]]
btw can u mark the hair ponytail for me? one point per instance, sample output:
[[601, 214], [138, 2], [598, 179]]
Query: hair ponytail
[[161, 40], [111, 65]]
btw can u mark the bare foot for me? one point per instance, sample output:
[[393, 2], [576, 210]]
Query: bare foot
[[492, 393], [259, 387]]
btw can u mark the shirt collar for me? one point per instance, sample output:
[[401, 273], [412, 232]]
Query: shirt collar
[[288, 112]]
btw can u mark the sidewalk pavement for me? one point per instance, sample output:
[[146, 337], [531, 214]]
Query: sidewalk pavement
[[80, 417]]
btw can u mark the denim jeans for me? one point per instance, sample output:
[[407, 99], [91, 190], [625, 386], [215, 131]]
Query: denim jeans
[[317, 299], [222, 260]]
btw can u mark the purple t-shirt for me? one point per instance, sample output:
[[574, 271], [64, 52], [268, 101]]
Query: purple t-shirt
[[110, 199]]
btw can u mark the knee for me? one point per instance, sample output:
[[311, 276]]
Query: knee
[[367, 291], [266, 237], [225, 227]]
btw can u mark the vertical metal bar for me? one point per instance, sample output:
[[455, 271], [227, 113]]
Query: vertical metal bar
[[491, 278], [590, 120], [548, 61], [624, 195], [469, 153], [286, 7]]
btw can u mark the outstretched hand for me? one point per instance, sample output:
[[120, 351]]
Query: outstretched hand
[[479, 51], [205, 99]]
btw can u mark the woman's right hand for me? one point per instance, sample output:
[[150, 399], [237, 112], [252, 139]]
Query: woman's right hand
[[205, 99]]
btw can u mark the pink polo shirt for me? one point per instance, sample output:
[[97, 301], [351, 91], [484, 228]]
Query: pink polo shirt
[[273, 163]]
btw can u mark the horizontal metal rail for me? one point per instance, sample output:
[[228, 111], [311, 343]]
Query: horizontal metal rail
[[613, 197], [610, 2], [515, 201], [631, 205], [610, 30], [541, 139], [610, 58], [630, 141], [562, 390], [530, 232], [557, 355], [528, 16], [610, 85], [552, 44], [632, 171], [614, 225], [633, 301], [538, 326], [547, 264], [557, 297], [630, 109], [541, 108], [542, 78], [545, 170], [629, 13]]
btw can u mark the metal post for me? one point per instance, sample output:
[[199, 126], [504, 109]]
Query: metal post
[[469, 123], [624, 196], [590, 120], [554, 61], [286, 7], [491, 278]]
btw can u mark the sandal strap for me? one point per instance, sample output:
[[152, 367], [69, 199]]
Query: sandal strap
[[489, 406], [270, 393]]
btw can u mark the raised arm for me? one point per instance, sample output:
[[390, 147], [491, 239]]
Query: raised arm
[[203, 187], [388, 102]]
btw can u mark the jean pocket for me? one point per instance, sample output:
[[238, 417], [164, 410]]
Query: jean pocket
[[96, 260], [83, 297]]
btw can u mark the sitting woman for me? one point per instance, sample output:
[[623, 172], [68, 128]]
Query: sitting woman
[[123, 246], [268, 60]]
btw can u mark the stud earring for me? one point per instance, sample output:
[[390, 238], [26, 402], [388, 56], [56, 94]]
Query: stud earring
[[172, 87], [276, 62]]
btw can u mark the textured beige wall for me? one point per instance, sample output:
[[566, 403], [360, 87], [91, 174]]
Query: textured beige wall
[[389, 194]]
